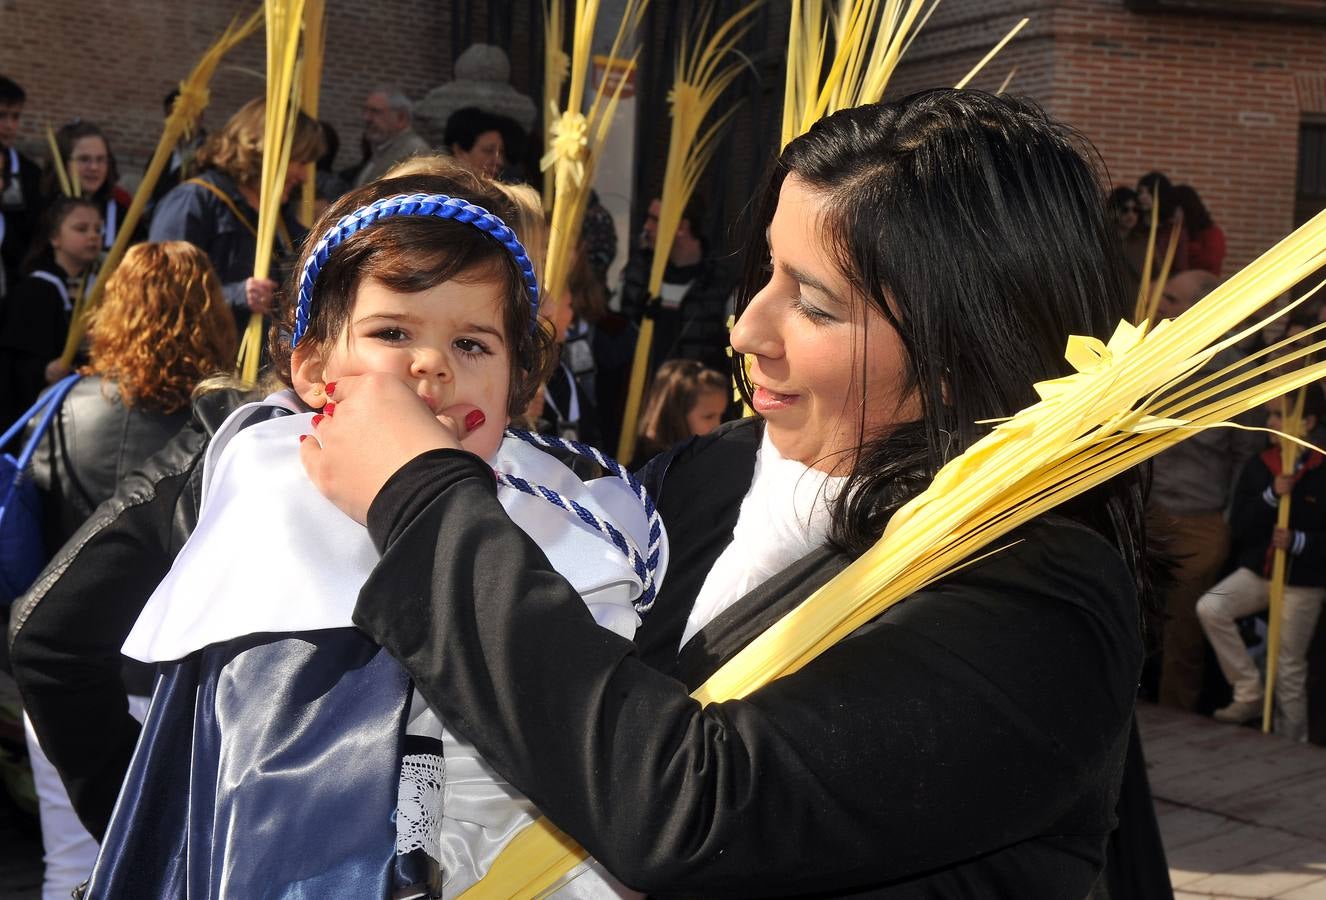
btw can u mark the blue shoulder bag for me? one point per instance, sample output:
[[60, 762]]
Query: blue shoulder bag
[[22, 547]]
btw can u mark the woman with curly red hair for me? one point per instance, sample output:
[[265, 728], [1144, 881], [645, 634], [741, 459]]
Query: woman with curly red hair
[[162, 327]]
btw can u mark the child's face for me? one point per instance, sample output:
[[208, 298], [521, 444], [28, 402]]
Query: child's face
[[707, 413], [79, 236], [447, 343]]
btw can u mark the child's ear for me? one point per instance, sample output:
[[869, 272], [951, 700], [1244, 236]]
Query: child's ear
[[306, 371]]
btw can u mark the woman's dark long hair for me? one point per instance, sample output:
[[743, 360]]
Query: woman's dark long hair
[[1196, 218], [976, 226]]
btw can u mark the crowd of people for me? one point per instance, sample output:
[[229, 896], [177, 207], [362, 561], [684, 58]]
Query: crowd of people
[[431, 615], [1214, 498]]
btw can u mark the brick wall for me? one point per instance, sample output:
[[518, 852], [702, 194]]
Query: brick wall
[[112, 61], [1211, 100]]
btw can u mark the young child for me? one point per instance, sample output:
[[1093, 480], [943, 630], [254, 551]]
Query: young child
[[1246, 590], [34, 319], [685, 399], [284, 754]]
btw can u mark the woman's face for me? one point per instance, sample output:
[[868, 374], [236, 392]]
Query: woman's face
[[78, 238], [825, 363], [1143, 197], [486, 157], [90, 163], [1126, 215]]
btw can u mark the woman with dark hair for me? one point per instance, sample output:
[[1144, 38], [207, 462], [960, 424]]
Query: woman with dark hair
[[475, 138], [1206, 239], [915, 268], [1155, 188], [217, 210], [1122, 202], [87, 158]]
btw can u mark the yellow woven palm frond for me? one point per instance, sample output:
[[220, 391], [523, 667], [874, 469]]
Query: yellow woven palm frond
[[705, 68], [868, 40], [284, 21], [183, 118], [310, 93], [576, 137], [1291, 423]]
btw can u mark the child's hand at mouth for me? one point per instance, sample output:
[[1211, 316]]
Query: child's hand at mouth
[[352, 454]]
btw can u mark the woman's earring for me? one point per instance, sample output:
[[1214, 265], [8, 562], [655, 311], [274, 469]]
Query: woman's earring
[[316, 390]]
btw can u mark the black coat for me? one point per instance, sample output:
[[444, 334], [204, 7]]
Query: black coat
[[192, 213], [697, 329], [93, 442], [22, 220], [65, 634], [33, 326], [967, 743], [1252, 519]]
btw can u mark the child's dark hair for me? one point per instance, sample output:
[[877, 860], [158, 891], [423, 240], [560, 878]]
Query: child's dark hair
[[414, 253], [676, 388]]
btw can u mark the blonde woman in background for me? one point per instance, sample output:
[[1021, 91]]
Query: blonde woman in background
[[217, 210]]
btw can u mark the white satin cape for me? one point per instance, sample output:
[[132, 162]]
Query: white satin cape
[[271, 554]]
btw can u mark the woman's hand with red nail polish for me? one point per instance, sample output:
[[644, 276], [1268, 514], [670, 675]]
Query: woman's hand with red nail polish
[[380, 424], [329, 409], [331, 388]]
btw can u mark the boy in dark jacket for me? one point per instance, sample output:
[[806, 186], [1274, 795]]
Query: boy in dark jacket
[[1246, 591]]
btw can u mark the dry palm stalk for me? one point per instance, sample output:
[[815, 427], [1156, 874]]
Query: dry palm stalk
[[1291, 423], [556, 64], [868, 37], [1008, 79], [315, 37], [701, 78], [189, 106], [991, 55], [577, 139], [284, 18], [1129, 399], [67, 187], [1149, 292]]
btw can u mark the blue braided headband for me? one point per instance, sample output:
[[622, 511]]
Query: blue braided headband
[[438, 205]]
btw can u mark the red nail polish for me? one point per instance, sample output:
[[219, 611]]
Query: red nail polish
[[329, 409], [474, 420], [318, 419], [303, 438], [331, 388]]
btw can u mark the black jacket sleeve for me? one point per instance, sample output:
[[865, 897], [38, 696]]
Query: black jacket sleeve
[[1251, 518], [970, 718], [66, 632]]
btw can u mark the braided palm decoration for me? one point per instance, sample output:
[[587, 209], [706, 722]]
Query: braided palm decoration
[[645, 565], [438, 205]]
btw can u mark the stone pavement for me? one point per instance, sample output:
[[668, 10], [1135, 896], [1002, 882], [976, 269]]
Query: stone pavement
[[1242, 814]]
